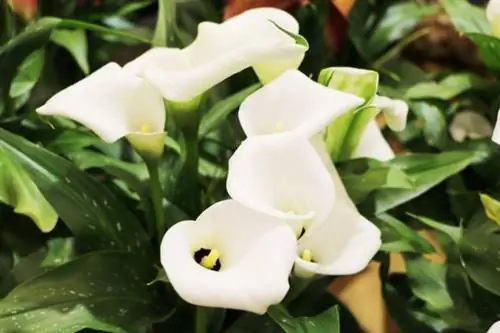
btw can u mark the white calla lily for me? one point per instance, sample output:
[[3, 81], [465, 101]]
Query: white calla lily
[[230, 257], [395, 111], [493, 16], [293, 102], [344, 244], [114, 104], [470, 125], [372, 144], [282, 175], [252, 39], [495, 328]]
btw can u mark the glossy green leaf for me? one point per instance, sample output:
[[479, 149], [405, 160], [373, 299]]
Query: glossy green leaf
[[18, 190], [455, 233], [222, 109], [446, 89], [466, 17], [425, 172], [480, 254], [362, 177], [102, 222], [433, 122], [27, 74], [396, 23], [428, 282], [489, 49], [398, 237], [328, 321], [105, 290], [75, 42]]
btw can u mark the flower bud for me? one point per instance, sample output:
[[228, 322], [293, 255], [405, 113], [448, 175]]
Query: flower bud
[[26, 8]]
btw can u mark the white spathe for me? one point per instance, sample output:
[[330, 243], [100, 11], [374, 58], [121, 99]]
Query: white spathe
[[256, 257], [395, 111], [250, 39], [493, 16], [470, 125], [113, 104], [293, 102], [344, 244], [372, 144], [281, 175], [495, 328]]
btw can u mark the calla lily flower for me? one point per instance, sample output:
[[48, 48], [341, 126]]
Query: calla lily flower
[[293, 102], [372, 143], [26, 8], [262, 38], [470, 125], [230, 257], [282, 175], [493, 16], [344, 244], [495, 328], [114, 104]]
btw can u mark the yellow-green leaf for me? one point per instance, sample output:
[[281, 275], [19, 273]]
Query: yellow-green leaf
[[491, 207]]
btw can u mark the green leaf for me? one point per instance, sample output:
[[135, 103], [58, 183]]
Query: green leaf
[[18, 190], [455, 233], [396, 23], [360, 82], [89, 209], [28, 74], [328, 321], [428, 282], [221, 110], [434, 123], [446, 89], [398, 237], [489, 49], [480, 254], [491, 207], [104, 290], [361, 177], [75, 42], [466, 17], [425, 171]]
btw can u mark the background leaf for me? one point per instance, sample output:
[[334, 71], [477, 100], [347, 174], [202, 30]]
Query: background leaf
[[75, 42]]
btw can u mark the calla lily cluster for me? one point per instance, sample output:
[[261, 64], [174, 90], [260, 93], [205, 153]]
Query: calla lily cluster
[[288, 212], [127, 101]]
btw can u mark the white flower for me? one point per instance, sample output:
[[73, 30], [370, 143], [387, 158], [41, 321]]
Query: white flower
[[470, 125], [495, 328], [395, 111], [493, 16], [293, 102], [114, 104], [230, 257], [251, 39], [281, 175], [372, 144], [345, 243]]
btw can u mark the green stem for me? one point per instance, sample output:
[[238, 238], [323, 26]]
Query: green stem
[[201, 320], [157, 198], [165, 31]]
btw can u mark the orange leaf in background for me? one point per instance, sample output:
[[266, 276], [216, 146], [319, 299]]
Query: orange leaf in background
[[235, 7], [26, 8]]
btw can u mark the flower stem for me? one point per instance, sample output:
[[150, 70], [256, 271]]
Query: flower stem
[[201, 320], [157, 197]]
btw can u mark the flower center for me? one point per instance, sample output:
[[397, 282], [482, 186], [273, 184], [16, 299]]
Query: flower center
[[208, 258], [278, 127], [146, 128], [307, 255]]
